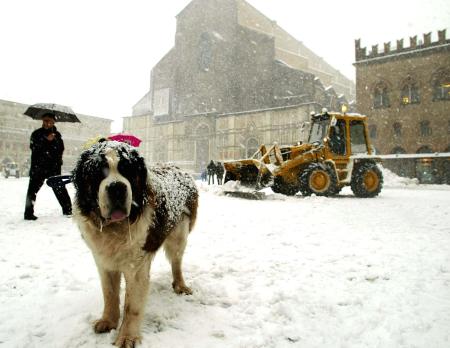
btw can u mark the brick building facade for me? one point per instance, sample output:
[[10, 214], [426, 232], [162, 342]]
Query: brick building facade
[[405, 91], [231, 64]]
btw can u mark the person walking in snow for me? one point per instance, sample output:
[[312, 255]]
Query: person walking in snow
[[47, 148], [203, 175], [211, 168], [220, 170]]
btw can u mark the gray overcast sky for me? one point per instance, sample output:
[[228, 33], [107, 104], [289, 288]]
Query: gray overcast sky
[[96, 55]]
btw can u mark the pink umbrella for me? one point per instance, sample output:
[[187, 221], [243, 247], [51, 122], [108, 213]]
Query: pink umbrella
[[126, 138]]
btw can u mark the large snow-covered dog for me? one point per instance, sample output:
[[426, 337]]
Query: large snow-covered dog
[[125, 213]]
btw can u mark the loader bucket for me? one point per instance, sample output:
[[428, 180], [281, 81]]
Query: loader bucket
[[255, 195], [250, 172]]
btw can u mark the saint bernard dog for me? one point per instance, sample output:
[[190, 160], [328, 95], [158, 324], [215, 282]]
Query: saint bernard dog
[[126, 212]]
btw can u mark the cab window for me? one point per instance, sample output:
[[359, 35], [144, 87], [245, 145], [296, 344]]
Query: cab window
[[358, 138], [337, 138]]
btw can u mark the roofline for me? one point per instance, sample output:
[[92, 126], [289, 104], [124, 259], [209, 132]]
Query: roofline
[[394, 54]]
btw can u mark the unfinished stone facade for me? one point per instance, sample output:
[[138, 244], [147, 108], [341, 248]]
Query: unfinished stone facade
[[229, 59]]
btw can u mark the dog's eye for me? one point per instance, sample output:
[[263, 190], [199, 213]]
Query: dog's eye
[[125, 168], [105, 171]]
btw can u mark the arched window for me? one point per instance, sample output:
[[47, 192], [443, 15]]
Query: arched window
[[441, 85], [397, 127], [409, 92], [424, 149], [398, 150], [381, 96], [425, 128], [204, 52], [373, 131]]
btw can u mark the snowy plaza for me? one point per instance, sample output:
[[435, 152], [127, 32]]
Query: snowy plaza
[[281, 272]]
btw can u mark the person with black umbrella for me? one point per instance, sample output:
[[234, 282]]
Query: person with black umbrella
[[47, 148]]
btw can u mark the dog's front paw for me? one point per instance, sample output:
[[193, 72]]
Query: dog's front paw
[[181, 288], [103, 325], [127, 341]]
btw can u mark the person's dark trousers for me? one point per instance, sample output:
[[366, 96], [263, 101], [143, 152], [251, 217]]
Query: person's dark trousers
[[64, 199], [35, 184]]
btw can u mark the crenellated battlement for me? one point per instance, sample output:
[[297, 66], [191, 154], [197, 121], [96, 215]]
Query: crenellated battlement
[[361, 53]]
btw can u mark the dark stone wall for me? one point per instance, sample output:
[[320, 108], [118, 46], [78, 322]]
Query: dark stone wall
[[292, 86], [220, 66], [205, 40]]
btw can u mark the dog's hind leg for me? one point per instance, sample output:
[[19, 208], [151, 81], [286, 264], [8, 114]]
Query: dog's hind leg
[[174, 246], [111, 312]]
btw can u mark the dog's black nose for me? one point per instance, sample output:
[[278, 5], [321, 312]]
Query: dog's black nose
[[117, 192]]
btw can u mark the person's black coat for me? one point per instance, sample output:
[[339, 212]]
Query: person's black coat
[[220, 170], [46, 156], [211, 167]]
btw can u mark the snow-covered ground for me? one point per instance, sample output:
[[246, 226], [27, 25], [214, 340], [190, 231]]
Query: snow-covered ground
[[283, 272]]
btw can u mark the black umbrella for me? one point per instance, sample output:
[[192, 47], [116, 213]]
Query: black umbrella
[[62, 113]]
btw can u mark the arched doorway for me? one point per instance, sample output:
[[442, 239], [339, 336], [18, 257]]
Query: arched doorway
[[201, 148], [442, 169], [425, 170], [402, 167], [252, 146], [446, 174], [5, 161]]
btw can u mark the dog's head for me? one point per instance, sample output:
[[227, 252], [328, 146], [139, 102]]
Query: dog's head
[[110, 179]]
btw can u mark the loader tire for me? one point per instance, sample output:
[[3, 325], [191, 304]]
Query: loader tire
[[367, 180], [337, 190], [279, 186], [319, 179]]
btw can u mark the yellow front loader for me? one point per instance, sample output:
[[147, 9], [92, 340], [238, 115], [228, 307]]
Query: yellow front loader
[[328, 161]]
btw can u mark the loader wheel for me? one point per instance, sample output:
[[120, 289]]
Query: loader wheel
[[318, 179], [367, 180], [279, 186]]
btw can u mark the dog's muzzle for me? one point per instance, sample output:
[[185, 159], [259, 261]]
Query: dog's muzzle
[[117, 197]]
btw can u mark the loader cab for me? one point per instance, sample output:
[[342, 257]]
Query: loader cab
[[342, 134]]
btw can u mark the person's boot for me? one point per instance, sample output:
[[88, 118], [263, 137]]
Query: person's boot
[[29, 216], [29, 209], [67, 212]]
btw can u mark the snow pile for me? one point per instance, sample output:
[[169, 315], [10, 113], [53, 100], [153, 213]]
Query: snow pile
[[393, 180], [312, 272], [236, 186]]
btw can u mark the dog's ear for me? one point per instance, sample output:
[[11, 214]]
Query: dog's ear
[[86, 179], [138, 181]]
